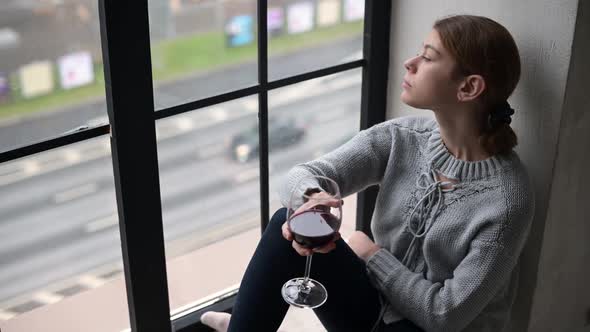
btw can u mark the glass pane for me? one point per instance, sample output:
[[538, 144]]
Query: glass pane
[[51, 72], [310, 119], [201, 48], [209, 175], [307, 35], [60, 237]]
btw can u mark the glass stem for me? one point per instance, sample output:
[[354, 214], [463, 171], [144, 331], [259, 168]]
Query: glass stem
[[307, 269]]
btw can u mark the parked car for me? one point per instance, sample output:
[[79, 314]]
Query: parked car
[[282, 132]]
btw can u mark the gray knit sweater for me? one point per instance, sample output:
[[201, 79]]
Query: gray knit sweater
[[449, 257]]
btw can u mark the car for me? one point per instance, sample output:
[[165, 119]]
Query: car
[[282, 132]]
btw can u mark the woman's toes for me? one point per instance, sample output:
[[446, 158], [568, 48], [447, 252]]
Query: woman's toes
[[219, 321]]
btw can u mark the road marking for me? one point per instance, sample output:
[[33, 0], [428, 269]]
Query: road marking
[[72, 156], [102, 223], [344, 82], [165, 130], [31, 167], [10, 168], [247, 175], [251, 105], [210, 151], [219, 114], [75, 193], [91, 281], [6, 315], [47, 297], [11, 177], [184, 123]]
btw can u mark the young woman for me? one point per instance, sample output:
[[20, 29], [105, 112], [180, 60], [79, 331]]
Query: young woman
[[453, 212]]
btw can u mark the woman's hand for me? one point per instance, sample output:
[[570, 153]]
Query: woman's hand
[[320, 198], [362, 245]]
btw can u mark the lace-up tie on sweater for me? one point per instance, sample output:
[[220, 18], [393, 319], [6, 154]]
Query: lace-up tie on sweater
[[425, 210]]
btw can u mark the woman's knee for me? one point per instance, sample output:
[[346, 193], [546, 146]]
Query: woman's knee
[[279, 217]]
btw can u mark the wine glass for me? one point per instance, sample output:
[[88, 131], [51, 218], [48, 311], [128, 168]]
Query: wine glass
[[314, 216]]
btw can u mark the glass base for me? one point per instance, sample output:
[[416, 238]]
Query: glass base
[[311, 295]]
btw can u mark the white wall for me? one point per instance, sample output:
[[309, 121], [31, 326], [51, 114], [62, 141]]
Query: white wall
[[563, 293], [553, 125]]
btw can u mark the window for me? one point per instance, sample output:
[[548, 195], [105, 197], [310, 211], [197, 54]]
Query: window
[[209, 171], [51, 70], [60, 234], [307, 35], [310, 119], [201, 48], [199, 175]]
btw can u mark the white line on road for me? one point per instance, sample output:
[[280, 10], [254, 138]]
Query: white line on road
[[102, 223], [251, 105], [31, 167], [184, 123], [11, 177], [75, 193], [10, 168], [343, 82], [47, 297], [6, 315], [219, 114], [72, 156], [247, 175], [91, 281]]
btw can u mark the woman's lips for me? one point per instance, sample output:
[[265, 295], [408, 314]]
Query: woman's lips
[[405, 84]]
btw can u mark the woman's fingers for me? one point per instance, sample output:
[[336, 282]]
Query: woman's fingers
[[286, 232], [301, 250], [326, 249], [330, 246]]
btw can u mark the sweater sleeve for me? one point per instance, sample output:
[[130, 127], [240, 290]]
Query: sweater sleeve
[[450, 305], [355, 165]]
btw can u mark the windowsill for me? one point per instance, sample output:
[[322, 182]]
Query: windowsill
[[196, 275]]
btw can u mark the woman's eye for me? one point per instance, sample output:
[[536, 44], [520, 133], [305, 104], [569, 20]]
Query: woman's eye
[[423, 56]]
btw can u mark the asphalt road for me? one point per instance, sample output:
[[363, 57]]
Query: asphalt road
[[58, 218]]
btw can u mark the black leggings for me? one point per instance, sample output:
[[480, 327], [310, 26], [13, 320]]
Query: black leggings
[[353, 304]]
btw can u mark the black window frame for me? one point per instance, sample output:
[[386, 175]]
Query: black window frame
[[125, 42]]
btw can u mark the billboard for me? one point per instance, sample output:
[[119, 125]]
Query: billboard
[[300, 17], [4, 88], [354, 10], [75, 70], [328, 12], [36, 79], [239, 30], [275, 20]]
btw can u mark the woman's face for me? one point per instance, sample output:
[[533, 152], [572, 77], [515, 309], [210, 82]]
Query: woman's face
[[429, 82]]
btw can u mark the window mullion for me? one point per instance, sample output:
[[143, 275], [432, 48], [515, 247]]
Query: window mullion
[[374, 90], [263, 111], [125, 37]]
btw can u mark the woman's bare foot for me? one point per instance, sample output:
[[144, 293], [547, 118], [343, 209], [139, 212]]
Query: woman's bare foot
[[219, 321]]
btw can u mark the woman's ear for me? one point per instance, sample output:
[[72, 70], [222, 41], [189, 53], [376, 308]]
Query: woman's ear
[[471, 88]]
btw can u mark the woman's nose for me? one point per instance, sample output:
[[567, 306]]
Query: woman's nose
[[410, 64]]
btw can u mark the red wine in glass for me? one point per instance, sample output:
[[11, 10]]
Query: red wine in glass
[[314, 228]]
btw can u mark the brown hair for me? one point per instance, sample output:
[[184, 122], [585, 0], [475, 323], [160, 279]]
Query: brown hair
[[482, 46]]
